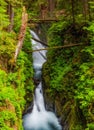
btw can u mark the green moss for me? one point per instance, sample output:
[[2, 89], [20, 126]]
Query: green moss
[[8, 116], [15, 83], [15, 78], [12, 92]]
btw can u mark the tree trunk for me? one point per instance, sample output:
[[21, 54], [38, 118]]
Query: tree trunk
[[85, 9], [89, 12], [11, 17], [22, 33], [73, 11], [51, 7]]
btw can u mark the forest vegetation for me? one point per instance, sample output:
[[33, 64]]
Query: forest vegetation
[[68, 74]]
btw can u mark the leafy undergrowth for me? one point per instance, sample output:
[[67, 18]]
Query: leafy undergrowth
[[69, 74], [15, 78], [14, 86]]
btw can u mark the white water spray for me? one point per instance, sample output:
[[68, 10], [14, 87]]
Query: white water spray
[[39, 119]]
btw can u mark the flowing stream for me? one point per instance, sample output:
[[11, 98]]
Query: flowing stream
[[39, 118]]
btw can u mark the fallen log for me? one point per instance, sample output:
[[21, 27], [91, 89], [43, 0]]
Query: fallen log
[[43, 20], [21, 33], [57, 47], [43, 43]]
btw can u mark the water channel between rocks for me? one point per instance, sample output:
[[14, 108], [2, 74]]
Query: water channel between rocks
[[39, 118]]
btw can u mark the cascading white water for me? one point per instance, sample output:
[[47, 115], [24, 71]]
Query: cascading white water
[[39, 118], [39, 57], [39, 100]]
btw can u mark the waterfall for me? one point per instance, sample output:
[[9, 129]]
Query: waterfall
[[39, 118], [39, 57]]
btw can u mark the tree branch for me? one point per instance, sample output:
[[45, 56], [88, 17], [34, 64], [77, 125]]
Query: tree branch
[[22, 33]]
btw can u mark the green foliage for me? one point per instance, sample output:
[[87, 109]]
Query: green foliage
[[17, 19], [4, 21], [34, 8], [15, 79], [71, 73], [55, 32], [91, 126], [15, 2], [58, 27], [13, 87], [8, 116], [10, 104], [57, 75], [7, 40]]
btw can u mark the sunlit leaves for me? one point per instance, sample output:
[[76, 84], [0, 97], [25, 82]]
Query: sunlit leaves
[[4, 21]]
